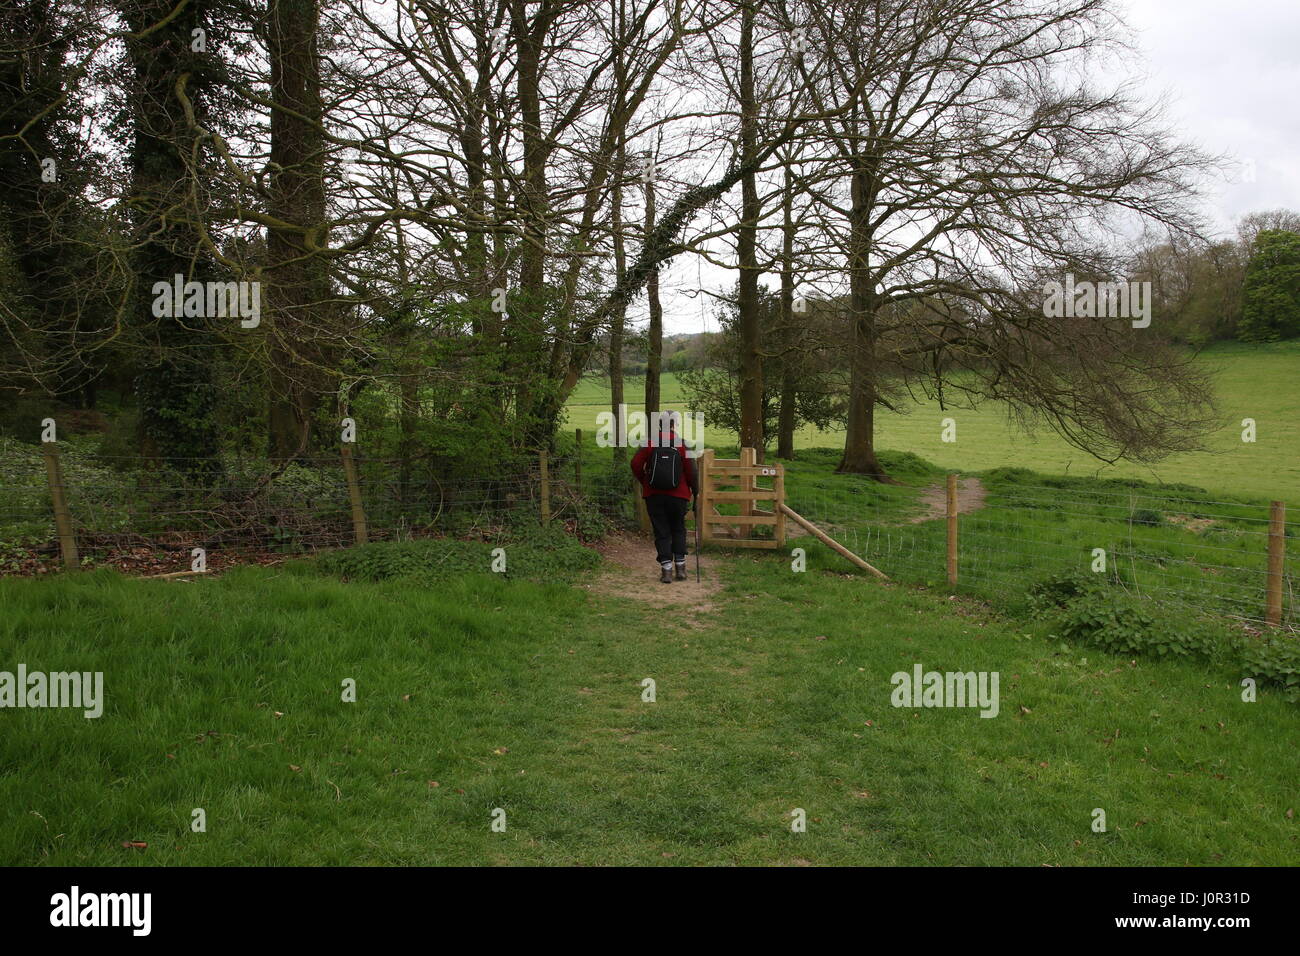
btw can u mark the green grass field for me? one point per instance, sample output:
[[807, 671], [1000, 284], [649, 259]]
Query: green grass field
[[224, 695], [478, 691], [1259, 382]]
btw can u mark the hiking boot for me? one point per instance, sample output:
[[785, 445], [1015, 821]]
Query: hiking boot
[[681, 571], [665, 576]]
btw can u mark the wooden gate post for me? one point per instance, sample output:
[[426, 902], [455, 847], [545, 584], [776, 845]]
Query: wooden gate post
[[778, 489], [952, 530], [62, 516], [748, 458], [359, 532], [546, 486], [702, 502], [1276, 557]]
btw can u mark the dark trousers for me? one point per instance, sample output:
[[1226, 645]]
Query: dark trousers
[[668, 519]]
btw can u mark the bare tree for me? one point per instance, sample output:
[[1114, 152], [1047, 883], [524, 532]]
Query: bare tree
[[972, 163]]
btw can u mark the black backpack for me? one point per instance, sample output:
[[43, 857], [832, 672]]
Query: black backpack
[[664, 469]]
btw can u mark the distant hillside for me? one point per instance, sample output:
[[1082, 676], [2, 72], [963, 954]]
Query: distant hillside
[[679, 352]]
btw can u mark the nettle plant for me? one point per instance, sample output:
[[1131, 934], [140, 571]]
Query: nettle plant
[[1276, 661], [1090, 610]]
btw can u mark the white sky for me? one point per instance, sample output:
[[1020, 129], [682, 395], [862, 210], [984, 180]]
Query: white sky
[[1230, 76]]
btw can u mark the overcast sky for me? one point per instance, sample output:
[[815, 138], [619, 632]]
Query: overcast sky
[[1230, 74]]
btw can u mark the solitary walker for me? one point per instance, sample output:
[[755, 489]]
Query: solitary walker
[[667, 476]]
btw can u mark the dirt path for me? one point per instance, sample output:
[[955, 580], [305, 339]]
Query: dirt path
[[633, 572], [970, 497]]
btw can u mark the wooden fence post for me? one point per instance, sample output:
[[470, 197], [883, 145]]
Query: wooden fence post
[[359, 532], [546, 486], [952, 530], [62, 517], [577, 458], [1276, 556]]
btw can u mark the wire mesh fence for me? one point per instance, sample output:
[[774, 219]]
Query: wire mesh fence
[[1175, 546], [244, 504]]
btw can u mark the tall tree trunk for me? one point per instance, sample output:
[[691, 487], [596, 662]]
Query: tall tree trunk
[[859, 442], [175, 388], [528, 309], [298, 290], [751, 359], [38, 226], [408, 365], [655, 332], [619, 317], [786, 413], [484, 262]]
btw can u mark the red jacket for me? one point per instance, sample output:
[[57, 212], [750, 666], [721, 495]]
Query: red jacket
[[684, 487]]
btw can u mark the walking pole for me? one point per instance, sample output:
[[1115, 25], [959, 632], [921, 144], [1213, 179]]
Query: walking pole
[[696, 502]]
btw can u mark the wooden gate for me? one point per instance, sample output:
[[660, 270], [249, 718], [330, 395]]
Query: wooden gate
[[748, 485]]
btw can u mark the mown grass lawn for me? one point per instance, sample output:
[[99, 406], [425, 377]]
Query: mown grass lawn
[[224, 694]]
